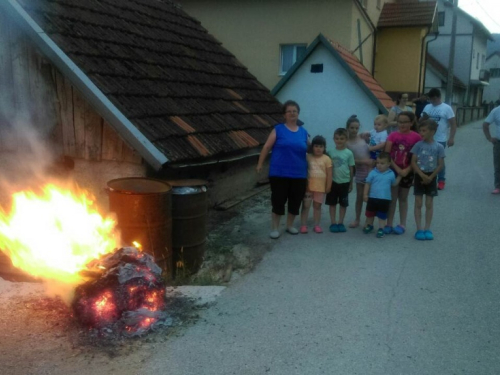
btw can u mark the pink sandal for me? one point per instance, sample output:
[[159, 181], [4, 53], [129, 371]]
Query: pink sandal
[[303, 229], [317, 229]]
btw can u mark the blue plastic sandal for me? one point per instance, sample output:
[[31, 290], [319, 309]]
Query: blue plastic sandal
[[398, 229], [341, 228], [428, 235], [334, 228], [367, 229], [420, 235], [388, 229]]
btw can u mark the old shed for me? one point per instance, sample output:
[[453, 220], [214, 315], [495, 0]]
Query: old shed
[[126, 88]]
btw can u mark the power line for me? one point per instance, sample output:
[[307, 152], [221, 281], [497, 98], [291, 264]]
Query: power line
[[486, 13]]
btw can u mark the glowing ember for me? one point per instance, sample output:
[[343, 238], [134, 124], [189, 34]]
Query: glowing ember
[[128, 297], [54, 233]]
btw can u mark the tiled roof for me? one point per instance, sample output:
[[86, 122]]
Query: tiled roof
[[443, 71], [188, 95], [363, 74], [407, 13]]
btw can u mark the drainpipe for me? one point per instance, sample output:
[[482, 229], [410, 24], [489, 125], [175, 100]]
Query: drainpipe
[[359, 42], [436, 34]]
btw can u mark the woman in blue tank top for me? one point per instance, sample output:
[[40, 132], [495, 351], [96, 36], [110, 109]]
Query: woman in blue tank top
[[287, 169]]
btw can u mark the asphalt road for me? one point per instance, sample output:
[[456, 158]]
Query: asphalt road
[[350, 303]]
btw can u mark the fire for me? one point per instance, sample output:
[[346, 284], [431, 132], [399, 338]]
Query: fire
[[53, 234]]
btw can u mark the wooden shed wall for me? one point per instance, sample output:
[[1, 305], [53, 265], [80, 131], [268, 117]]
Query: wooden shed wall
[[34, 93], [32, 89]]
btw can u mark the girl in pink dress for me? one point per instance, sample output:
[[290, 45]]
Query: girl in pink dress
[[399, 144]]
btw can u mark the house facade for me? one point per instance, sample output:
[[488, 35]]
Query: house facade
[[401, 45], [269, 36], [436, 76], [492, 91], [330, 84], [470, 51]]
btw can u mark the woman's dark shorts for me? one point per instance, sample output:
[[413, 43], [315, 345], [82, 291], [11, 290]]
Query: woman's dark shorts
[[285, 189], [338, 195], [429, 189], [377, 207]]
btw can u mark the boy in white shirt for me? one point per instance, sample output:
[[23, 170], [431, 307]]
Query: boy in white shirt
[[443, 114], [494, 118]]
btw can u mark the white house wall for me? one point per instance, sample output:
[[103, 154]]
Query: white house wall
[[440, 50], [478, 47], [433, 80], [327, 99], [466, 45], [492, 92], [464, 25]]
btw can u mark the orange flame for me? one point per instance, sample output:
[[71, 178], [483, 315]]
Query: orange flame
[[55, 233]]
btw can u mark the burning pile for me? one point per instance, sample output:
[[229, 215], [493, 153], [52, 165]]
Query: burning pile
[[59, 237], [129, 296]]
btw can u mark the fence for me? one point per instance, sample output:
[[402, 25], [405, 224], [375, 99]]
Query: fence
[[464, 115]]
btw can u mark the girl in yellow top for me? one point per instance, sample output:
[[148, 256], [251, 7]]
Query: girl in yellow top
[[319, 182]]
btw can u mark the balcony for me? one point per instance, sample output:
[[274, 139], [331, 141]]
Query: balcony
[[484, 75]]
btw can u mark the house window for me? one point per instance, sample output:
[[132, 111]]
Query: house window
[[477, 61], [316, 68], [379, 4], [495, 73], [290, 53], [441, 18]]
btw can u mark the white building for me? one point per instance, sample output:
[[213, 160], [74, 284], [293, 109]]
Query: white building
[[470, 50], [492, 92], [330, 85]]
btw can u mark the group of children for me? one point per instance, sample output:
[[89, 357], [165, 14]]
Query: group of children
[[383, 166]]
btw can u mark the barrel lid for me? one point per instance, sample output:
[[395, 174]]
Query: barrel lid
[[139, 185], [187, 183]]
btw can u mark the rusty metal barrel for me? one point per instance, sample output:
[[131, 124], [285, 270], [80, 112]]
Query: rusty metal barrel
[[189, 223], [143, 210]]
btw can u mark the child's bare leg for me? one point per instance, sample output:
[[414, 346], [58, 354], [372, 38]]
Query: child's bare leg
[[403, 205], [306, 205], [359, 205], [333, 213], [429, 210], [392, 207], [369, 221], [317, 212], [342, 211], [418, 211], [275, 221], [381, 223], [289, 220]]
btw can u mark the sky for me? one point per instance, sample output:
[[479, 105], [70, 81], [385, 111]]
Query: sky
[[487, 11]]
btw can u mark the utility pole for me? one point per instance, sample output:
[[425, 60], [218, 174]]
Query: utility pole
[[451, 63]]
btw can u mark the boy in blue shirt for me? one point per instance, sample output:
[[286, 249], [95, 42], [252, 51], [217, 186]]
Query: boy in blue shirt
[[377, 193], [427, 160]]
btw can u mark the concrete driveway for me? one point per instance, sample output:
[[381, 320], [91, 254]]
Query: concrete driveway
[[350, 303]]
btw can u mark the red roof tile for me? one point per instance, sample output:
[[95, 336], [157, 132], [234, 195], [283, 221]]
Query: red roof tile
[[407, 13], [363, 74]]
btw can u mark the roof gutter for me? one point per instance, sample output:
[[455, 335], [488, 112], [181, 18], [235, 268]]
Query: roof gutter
[[226, 159], [96, 98]]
